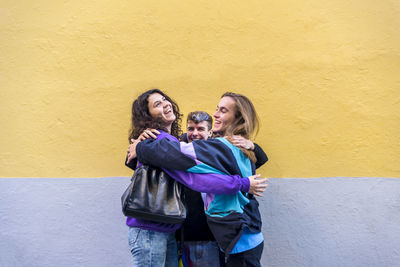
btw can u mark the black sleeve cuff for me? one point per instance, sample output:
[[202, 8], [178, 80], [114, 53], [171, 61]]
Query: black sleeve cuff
[[260, 155]]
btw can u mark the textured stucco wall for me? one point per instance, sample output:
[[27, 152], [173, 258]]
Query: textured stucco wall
[[322, 222], [324, 76]]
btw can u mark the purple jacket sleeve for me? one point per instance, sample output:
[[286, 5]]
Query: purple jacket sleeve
[[213, 183]]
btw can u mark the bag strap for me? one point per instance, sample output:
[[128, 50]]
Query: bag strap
[[182, 236]]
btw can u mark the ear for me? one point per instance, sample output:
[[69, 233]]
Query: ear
[[210, 133]]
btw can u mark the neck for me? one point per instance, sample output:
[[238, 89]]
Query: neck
[[168, 128]]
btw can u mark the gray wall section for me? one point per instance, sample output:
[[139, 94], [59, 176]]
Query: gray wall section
[[307, 222], [332, 222]]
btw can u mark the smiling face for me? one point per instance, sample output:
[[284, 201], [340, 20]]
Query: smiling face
[[160, 108], [197, 131], [225, 114]]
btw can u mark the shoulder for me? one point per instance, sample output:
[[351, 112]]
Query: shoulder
[[183, 138], [212, 145], [166, 135]]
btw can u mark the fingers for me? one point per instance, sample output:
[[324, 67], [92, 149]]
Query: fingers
[[237, 137], [148, 133], [258, 185], [261, 187], [152, 135], [258, 191], [129, 159], [237, 143], [257, 194], [135, 141], [131, 151], [262, 181], [144, 135], [155, 131], [240, 141]]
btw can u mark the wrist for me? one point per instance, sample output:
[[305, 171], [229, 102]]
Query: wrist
[[245, 184], [252, 146]]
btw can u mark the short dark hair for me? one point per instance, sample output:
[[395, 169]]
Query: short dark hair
[[199, 116]]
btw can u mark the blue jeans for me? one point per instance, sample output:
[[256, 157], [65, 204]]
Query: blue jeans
[[248, 258], [152, 249], [201, 253]]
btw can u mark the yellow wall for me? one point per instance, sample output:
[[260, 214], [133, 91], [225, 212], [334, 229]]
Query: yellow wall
[[324, 77]]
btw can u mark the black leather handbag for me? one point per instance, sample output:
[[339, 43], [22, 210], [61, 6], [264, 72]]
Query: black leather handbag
[[153, 195]]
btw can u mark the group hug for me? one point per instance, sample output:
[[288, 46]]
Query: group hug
[[215, 161]]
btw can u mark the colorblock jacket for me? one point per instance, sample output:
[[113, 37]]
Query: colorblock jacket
[[195, 227], [217, 183], [227, 214]]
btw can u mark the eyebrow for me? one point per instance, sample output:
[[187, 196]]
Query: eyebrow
[[159, 101], [223, 108]]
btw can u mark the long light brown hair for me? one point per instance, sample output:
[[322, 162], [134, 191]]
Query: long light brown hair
[[246, 121]]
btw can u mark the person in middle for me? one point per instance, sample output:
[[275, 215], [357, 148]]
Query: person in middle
[[200, 247]]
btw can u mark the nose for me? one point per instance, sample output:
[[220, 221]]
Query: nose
[[195, 132], [216, 114], [166, 103]]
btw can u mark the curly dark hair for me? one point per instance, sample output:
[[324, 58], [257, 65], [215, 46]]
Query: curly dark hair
[[141, 118]]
